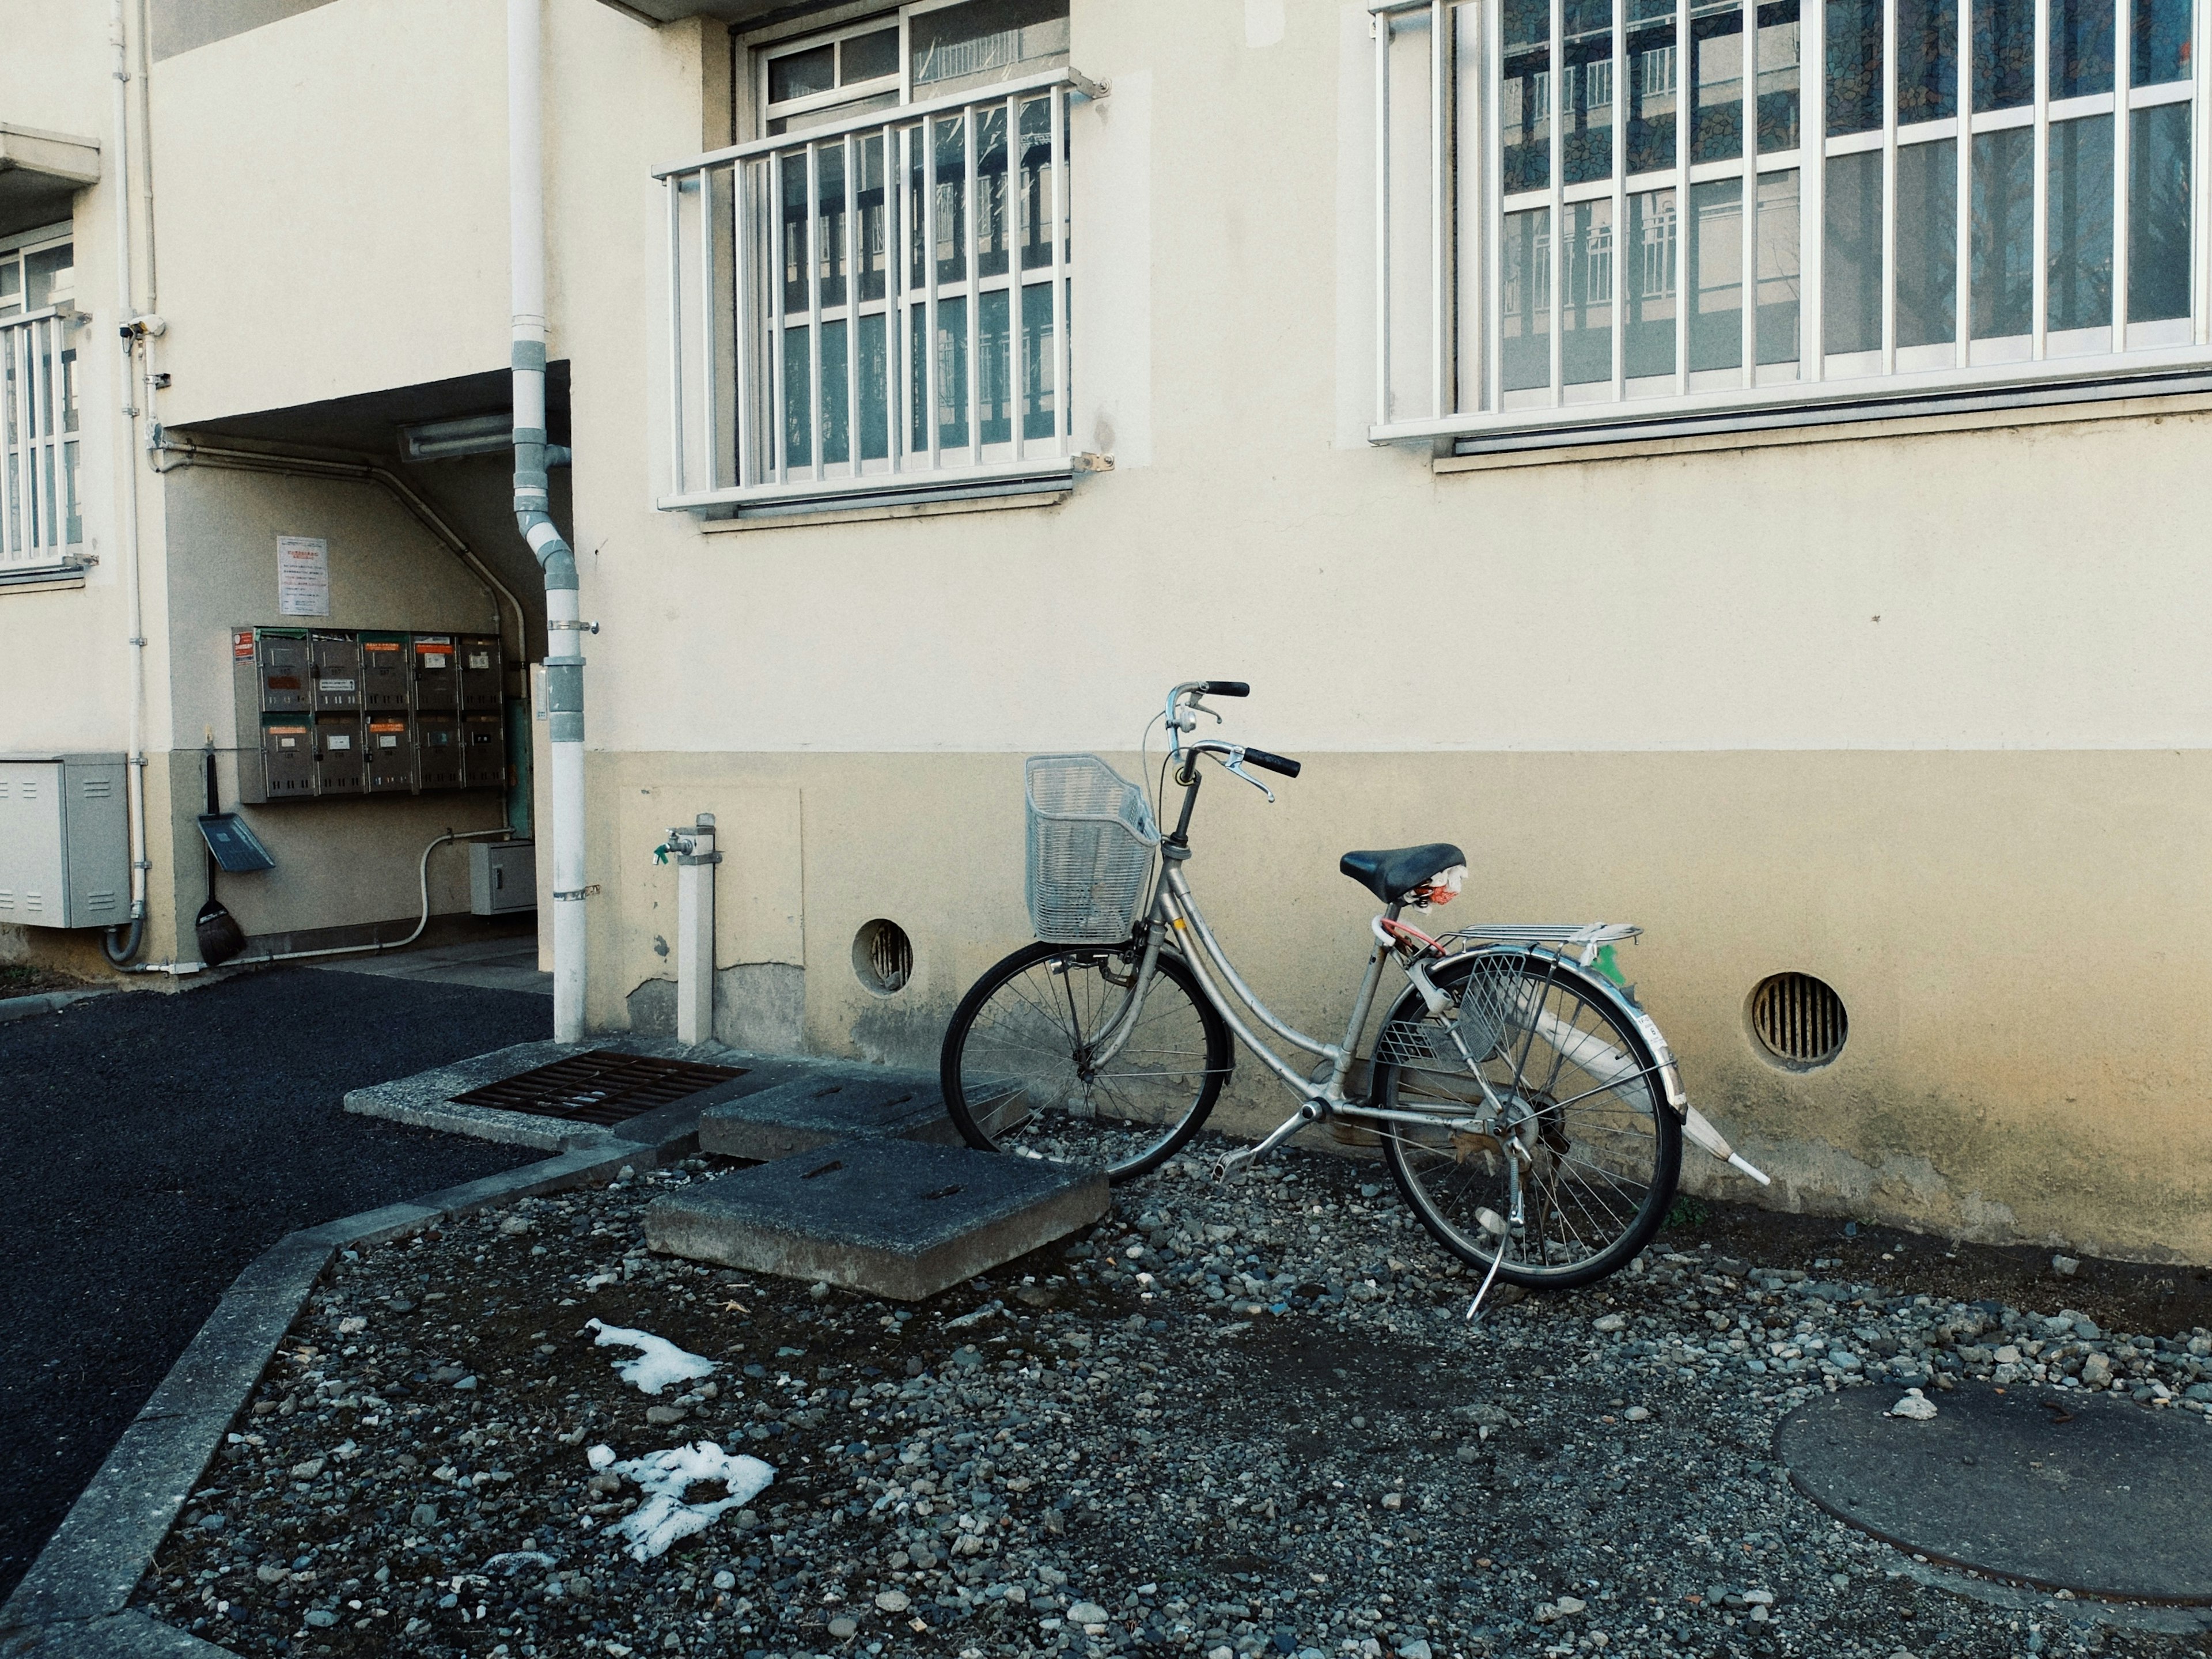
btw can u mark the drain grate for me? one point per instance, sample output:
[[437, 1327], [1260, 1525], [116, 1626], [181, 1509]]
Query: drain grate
[[600, 1087]]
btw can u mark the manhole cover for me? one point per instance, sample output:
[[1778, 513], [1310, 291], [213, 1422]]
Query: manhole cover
[[2042, 1486], [600, 1087]]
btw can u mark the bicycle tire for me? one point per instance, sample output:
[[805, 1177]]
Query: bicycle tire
[[1604, 1148], [1015, 1079]]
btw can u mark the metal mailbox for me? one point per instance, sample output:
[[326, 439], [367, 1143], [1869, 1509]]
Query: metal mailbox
[[482, 672], [384, 671], [437, 752], [390, 762], [271, 668], [437, 675], [338, 672], [338, 769], [283, 766], [484, 750]]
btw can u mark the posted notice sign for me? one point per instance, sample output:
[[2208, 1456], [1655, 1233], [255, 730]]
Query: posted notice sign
[[303, 576]]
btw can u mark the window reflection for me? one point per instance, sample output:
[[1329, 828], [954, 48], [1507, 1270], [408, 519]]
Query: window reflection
[[1778, 76], [1927, 60], [1854, 66], [1928, 244], [1651, 85], [2158, 213], [1716, 68]]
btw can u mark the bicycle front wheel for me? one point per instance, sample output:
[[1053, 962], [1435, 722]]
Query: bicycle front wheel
[[1581, 1162], [1019, 1074]]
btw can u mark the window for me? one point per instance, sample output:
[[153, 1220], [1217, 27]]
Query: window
[[1821, 200], [875, 295], [40, 504]]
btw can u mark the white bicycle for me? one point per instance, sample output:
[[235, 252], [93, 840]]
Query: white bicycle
[[1531, 1113]]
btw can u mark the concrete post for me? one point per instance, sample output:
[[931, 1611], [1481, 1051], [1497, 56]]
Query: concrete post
[[696, 858]]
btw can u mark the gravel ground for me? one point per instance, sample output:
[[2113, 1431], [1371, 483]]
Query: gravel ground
[[157, 1144], [1227, 1422]]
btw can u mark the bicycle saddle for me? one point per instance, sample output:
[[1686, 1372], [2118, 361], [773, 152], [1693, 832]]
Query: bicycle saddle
[[1392, 874]]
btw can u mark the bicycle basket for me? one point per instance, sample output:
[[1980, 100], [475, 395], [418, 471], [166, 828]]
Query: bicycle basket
[[1496, 1003], [1090, 841]]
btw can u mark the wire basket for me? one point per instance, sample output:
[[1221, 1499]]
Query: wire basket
[[1496, 1003], [1090, 841]]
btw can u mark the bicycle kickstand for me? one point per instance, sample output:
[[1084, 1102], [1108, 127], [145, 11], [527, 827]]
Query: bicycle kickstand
[[1494, 1224], [1229, 1165]]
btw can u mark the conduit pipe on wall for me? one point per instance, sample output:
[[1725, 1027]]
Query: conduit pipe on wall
[[364, 470], [564, 662], [120, 943]]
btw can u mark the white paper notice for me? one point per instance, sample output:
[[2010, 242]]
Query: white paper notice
[[303, 576]]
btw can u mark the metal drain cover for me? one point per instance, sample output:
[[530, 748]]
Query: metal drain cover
[[600, 1087]]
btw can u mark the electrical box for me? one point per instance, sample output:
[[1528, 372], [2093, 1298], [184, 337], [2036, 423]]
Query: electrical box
[[483, 673], [484, 750], [338, 672], [337, 712], [437, 675], [384, 671], [64, 844], [390, 762], [338, 769], [437, 752], [283, 766], [502, 877], [270, 668]]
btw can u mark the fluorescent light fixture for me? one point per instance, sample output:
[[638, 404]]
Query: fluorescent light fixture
[[445, 440]]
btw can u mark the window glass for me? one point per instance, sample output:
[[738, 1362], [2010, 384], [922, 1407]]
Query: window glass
[[867, 57], [2004, 53], [1649, 347], [2161, 42], [1526, 107], [1928, 243], [1651, 79], [1776, 247], [49, 277], [1778, 76], [11, 285], [1717, 258], [1587, 143], [2080, 47], [2002, 238], [1850, 285], [1586, 297], [802, 74], [1525, 301], [2158, 213], [1854, 66], [982, 40], [1927, 60], [2080, 231], [1717, 69]]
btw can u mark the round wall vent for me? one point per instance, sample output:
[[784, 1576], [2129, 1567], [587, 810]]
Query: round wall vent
[[1799, 1020], [883, 956]]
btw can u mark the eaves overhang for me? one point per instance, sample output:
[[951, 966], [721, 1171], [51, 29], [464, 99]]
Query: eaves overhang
[[39, 171]]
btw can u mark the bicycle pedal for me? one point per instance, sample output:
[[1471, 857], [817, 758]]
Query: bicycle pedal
[[1230, 1170]]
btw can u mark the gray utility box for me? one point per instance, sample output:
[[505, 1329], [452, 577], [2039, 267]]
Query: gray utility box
[[64, 844], [502, 877]]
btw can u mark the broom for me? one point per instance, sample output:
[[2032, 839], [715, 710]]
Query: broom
[[221, 938]]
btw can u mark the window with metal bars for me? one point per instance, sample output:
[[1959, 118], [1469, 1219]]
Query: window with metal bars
[[40, 511], [1827, 201], [875, 296]]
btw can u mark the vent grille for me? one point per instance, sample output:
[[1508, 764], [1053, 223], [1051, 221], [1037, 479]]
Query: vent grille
[[1799, 1019], [600, 1087], [883, 956]]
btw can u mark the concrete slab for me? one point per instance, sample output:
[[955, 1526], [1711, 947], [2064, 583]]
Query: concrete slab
[[820, 1109], [507, 964], [2054, 1488], [897, 1218]]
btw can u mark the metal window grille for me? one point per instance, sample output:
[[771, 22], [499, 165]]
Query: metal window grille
[[879, 302], [40, 518], [1831, 199]]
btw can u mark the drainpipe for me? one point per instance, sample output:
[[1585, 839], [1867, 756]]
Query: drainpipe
[[120, 943], [564, 662]]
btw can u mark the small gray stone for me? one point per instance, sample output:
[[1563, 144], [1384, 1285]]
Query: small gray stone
[[423, 1515], [843, 1627], [322, 1618], [1087, 1613], [892, 1601], [726, 1580]]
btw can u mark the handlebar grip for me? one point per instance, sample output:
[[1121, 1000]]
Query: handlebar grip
[[1224, 689], [1266, 762]]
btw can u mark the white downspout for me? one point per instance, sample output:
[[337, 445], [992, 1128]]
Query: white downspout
[[120, 950], [564, 662]]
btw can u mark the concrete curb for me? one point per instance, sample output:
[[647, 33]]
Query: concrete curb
[[43, 1002], [75, 1600]]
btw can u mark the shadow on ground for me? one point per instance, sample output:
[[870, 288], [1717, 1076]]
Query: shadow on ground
[[158, 1144]]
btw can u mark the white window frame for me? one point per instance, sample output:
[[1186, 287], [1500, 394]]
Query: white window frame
[[731, 410], [1439, 227], [41, 421]]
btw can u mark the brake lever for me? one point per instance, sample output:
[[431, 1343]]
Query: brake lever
[[1185, 723], [1235, 767]]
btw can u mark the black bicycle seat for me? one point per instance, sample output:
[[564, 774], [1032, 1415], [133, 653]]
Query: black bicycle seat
[[1391, 875]]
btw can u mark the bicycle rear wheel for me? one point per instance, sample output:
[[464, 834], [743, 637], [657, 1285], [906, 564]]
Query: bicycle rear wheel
[[1598, 1148], [1018, 1070]]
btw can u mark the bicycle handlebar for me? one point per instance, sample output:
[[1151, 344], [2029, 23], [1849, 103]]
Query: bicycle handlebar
[[1224, 689], [1267, 762]]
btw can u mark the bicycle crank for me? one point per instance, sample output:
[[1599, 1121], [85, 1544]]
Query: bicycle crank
[[1230, 1166]]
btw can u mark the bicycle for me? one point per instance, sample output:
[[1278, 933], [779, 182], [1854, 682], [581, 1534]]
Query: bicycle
[[1530, 1111]]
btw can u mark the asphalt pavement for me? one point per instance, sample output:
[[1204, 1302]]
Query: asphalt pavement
[[159, 1143]]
